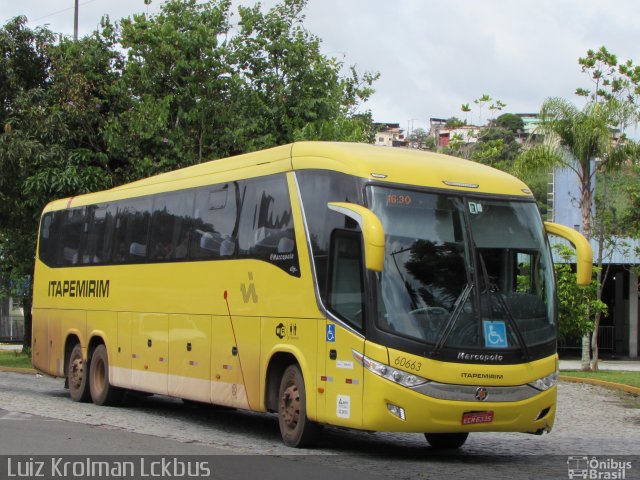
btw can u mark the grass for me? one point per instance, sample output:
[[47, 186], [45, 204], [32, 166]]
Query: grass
[[14, 360], [626, 378]]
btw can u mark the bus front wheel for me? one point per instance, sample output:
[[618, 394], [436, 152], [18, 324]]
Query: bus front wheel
[[102, 392], [77, 376], [296, 429], [446, 441]]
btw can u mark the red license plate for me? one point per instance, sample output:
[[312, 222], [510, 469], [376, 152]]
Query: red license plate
[[473, 418]]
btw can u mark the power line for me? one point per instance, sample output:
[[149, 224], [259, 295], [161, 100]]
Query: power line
[[59, 11]]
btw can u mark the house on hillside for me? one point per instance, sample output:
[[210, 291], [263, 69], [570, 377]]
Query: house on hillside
[[390, 135]]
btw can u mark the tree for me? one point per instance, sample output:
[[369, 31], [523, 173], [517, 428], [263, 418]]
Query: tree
[[419, 139], [509, 121], [81, 116], [454, 122], [466, 110], [284, 81], [577, 306], [574, 139], [481, 102], [24, 67]]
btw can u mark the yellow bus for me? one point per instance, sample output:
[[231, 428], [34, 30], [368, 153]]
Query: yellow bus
[[338, 284]]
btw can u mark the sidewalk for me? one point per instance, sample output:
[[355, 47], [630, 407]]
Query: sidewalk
[[10, 347], [622, 365]]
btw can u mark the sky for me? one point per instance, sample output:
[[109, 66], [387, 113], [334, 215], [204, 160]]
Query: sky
[[432, 56]]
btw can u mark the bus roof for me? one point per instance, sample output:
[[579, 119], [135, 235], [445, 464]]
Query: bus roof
[[384, 164]]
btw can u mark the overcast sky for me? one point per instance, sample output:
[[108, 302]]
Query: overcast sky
[[433, 56]]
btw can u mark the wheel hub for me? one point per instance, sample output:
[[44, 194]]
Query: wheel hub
[[77, 372], [290, 406]]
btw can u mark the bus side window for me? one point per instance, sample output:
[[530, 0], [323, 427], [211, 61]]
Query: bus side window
[[266, 224], [98, 239], [346, 281], [215, 221], [71, 235], [131, 230], [317, 189], [48, 246], [170, 225]]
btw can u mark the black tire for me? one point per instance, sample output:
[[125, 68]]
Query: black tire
[[102, 392], [77, 376], [295, 428], [446, 441]]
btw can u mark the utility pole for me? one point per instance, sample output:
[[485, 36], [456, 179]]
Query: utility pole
[[75, 22]]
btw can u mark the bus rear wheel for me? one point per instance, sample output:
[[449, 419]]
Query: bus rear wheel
[[102, 392], [77, 376], [446, 441], [296, 429]]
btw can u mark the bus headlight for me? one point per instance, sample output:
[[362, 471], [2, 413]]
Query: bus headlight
[[385, 371], [545, 383]]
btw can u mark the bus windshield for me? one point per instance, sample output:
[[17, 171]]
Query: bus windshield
[[463, 272]]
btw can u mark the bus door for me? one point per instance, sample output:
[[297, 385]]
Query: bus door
[[345, 298], [227, 386]]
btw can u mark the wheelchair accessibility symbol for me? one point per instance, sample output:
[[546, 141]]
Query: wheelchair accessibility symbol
[[331, 332], [495, 334]]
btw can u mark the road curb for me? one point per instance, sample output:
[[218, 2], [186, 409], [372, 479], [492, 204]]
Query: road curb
[[601, 383]]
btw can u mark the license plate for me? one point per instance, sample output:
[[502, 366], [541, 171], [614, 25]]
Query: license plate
[[473, 418]]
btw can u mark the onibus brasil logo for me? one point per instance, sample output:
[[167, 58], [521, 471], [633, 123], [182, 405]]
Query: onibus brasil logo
[[597, 468]]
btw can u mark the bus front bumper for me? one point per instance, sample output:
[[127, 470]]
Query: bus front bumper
[[388, 406]]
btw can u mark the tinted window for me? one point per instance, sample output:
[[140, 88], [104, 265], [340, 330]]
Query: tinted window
[[98, 240], [49, 235], [132, 227], [170, 226], [215, 222], [266, 223], [346, 285], [71, 229], [317, 189]]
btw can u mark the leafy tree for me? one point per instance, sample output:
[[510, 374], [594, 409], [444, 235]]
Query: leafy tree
[[81, 116], [496, 107], [419, 139], [481, 102], [357, 128], [577, 306], [454, 122], [285, 81], [510, 121], [24, 67], [466, 109]]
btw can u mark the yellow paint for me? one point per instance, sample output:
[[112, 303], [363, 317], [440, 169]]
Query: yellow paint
[[208, 330], [584, 256]]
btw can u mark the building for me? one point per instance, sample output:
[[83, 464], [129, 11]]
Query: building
[[619, 332], [390, 135]]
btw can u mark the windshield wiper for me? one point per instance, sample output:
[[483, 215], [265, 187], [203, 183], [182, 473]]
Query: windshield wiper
[[448, 327]]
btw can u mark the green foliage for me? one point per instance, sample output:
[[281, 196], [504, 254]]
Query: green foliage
[[357, 128], [509, 121], [577, 306], [15, 359], [153, 93], [454, 122], [631, 190], [611, 80]]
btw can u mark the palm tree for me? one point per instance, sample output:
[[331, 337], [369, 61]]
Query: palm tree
[[466, 109], [574, 139]]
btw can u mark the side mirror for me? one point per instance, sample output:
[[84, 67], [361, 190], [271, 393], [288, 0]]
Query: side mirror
[[372, 232], [584, 256]]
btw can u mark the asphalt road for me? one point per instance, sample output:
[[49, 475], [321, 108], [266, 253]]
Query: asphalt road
[[37, 418]]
